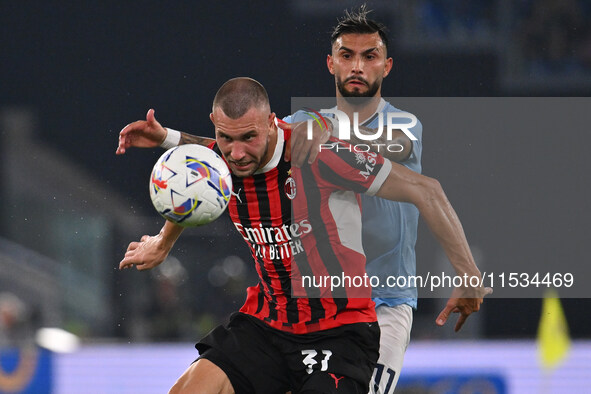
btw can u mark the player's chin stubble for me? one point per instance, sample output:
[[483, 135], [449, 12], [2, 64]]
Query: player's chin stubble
[[371, 91]]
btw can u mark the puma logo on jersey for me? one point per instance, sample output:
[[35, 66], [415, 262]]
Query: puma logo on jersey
[[336, 380]]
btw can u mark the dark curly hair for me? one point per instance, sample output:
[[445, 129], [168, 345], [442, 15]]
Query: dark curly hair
[[357, 22]]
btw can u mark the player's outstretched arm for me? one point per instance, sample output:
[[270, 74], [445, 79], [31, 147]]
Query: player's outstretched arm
[[151, 250], [428, 196], [150, 133], [194, 139]]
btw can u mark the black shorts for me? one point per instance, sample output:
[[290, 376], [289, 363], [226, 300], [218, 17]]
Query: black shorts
[[260, 359]]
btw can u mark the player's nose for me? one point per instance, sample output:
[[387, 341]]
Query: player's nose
[[237, 152], [357, 65]]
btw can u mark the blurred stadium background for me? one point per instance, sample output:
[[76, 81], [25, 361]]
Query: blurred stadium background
[[72, 75]]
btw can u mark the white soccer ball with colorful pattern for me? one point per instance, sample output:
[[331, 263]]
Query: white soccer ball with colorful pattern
[[190, 185]]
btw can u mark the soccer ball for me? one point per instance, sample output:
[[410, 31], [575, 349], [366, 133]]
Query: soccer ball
[[190, 185]]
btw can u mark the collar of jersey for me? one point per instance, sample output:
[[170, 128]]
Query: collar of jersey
[[379, 109], [276, 154]]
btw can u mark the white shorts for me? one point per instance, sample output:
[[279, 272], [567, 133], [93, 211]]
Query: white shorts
[[395, 324]]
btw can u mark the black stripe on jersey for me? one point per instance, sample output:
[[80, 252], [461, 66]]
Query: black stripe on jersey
[[323, 245], [243, 215], [331, 176], [292, 303], [282, 176], [317, 311], [265, 213], [260, 298]]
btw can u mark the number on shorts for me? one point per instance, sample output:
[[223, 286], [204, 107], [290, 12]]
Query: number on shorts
[[379, 371], [309, 361]]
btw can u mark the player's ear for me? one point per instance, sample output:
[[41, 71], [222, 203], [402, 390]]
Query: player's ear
[[388, 67], [272, 122], [211, 118], [330, 64]]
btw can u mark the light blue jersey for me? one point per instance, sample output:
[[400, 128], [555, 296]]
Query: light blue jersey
[[390, 232], [390, 229]]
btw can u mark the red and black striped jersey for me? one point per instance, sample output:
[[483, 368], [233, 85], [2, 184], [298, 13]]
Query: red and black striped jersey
[[303, 228]]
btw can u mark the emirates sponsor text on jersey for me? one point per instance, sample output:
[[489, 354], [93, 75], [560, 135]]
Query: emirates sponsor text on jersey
[[275, 241]]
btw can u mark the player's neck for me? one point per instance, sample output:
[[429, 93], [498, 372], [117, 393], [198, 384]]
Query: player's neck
[[364, 110], [271, 148]]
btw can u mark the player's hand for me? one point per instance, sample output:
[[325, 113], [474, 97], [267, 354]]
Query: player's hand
[[465, 306], [141, 134], [146, 254], [300, 147]]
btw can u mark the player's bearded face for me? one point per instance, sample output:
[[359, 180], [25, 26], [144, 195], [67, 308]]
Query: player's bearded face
[[359, 64]]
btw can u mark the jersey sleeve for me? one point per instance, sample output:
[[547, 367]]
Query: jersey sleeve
[[298, 116], [341, 165]]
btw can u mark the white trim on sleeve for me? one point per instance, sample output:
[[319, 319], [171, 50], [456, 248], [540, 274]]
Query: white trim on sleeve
[[380, 178]]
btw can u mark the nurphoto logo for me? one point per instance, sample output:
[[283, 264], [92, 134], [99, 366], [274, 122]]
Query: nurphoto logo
[[341, 122]]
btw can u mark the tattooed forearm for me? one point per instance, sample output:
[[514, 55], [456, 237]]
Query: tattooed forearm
[[193, 139]]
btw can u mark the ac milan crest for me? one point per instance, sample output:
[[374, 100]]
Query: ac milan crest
[[290, 188]]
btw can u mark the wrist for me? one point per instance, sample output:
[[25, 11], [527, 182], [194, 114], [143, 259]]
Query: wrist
[[172, 138]]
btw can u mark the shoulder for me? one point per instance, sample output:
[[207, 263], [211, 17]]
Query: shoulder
[[413, 123]]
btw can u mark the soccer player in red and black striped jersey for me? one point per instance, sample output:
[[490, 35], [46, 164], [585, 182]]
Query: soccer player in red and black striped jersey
[[298, 223]]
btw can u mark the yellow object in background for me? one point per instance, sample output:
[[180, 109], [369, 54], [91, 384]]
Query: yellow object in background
[[553, 336]]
